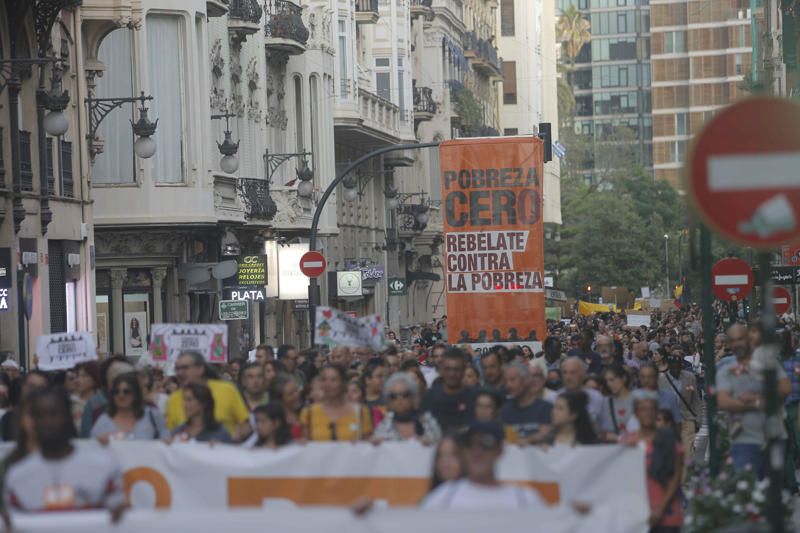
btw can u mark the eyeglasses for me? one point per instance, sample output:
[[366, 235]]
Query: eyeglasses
[[181, 368], [395, 395], [121, 392]]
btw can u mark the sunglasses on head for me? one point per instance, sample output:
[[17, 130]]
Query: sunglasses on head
[[122, 392], [395, 395]]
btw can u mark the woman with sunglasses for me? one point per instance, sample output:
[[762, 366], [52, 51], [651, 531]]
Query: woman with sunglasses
[[128, 417], [403, 420]]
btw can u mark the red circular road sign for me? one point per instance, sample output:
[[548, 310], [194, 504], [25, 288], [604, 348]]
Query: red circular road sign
[[743, 172], [312, 264], [731, 279], [781, 300]]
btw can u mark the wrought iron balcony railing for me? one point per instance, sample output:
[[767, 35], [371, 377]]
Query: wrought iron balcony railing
[[246, 10], [423, 100], [256, 199], [366, 6], [285, 21]]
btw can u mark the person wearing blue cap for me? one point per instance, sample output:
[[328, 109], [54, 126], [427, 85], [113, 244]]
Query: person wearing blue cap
[[480, 489]]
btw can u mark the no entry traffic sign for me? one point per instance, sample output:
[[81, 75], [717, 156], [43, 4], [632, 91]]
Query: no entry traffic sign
[[743, 172], [312, 264], [731, 279], [781, 300]]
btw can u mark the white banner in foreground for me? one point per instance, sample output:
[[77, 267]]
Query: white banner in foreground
[[602, 519], [194, 477]]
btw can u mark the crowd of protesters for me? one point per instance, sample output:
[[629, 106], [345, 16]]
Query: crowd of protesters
[[595, 381]]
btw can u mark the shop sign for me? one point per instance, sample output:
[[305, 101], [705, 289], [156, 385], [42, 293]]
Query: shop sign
[[234, 310], [255, 294], [252, 270], [370, 274]]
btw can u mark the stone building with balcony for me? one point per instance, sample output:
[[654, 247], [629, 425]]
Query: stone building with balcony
[[243, 148], [46, 242]]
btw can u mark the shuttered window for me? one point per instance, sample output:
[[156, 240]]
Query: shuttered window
[[507, 18], [509, 82]]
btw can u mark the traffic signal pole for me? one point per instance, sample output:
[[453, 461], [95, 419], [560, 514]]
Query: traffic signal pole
[[708, 351], [313, 287]]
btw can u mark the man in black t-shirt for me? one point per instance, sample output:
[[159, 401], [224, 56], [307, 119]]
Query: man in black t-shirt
[[449, 401]]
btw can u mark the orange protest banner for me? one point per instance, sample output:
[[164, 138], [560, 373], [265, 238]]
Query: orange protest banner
[[493, 233]]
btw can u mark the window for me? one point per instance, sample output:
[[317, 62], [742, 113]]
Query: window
[[298, 115], [166, 86], [25, 164], [383, 84], [507, 18], [383, 77], [116, 163], [401, 93], [2, 164], [344, 73], [509, 82], [510, 131], [678, 151], [622, 23], [680, 124], [738, 64], [314, 110], [674, 42], [65, 165], [50, 171]]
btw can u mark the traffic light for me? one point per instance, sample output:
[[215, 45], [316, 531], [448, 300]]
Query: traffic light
[[546, 134]]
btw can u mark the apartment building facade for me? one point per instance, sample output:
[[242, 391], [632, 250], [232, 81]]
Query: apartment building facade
[[612, 76], [46, 240], [702, 59]]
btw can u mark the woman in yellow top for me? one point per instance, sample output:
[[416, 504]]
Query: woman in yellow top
[[335, 418]]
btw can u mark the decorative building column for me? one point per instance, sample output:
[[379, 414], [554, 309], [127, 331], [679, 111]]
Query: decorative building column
[[158, 274], [118, 277]]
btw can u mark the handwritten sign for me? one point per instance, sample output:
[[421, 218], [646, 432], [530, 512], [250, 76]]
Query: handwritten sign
[[61, 351], [337, 328], [169, 340]]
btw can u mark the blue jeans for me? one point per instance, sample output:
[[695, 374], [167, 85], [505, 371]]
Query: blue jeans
[[748, 454]]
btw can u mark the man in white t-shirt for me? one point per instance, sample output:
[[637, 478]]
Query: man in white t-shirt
[[483, 446], [60, 476]]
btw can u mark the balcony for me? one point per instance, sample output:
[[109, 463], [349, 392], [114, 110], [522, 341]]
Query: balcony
[[244, 18], [367, 12], [424, 106], [216, 8], [483, 56], [421, 8], [370, 121], [256, 199], [284, 28]]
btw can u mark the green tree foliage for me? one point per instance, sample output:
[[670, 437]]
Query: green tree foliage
[[613, 224]]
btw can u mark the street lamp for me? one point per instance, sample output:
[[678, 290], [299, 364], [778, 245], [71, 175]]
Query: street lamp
[[666, 262], [350, 188], [229, 163], [390, 192], [305, 176], [99, 108], [422, 215], [56, 101]]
